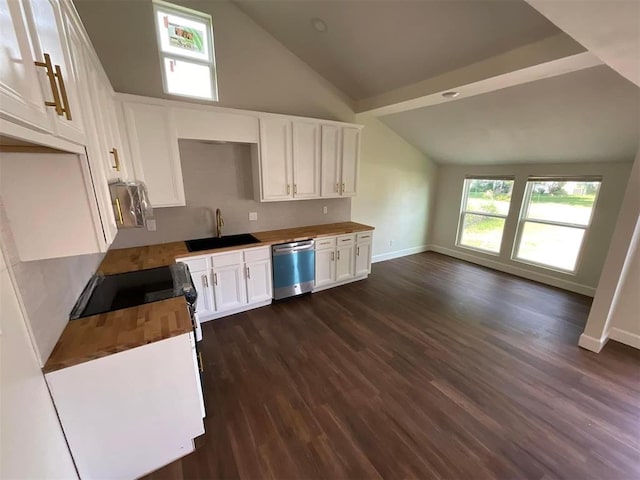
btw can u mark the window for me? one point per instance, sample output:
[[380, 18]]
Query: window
[[485, 206], [555, 217], [185, 42]]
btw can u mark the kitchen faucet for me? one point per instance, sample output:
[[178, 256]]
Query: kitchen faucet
[[219, 223]]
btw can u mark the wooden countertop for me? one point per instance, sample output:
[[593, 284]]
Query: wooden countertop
[[94, 337], [139, 258]]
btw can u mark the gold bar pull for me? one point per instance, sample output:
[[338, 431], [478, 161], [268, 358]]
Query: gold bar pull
[[116, 159], [333, 256], [288, 189], [52, 81], [338, 254], [119, 210], [63, 93], [295, 189], [200, 364], [342, 188], [215, 279], [338, 187], [205, 280], [358, 251], [248, 273]]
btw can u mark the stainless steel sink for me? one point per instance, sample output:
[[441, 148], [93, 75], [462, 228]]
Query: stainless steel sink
[[212, 243]]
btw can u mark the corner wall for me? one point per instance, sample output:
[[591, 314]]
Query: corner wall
[[396, 191], [585, 280]]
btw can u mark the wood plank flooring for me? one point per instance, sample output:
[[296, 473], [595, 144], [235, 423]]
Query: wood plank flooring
[[431, 368]]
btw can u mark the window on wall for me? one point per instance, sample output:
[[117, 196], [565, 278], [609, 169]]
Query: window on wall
[[485, 206], [185, 43], [554, 221]]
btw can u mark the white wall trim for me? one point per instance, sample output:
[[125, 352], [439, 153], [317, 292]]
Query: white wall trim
[[520, 272], [624, 336], [591, 343], [400, 253]]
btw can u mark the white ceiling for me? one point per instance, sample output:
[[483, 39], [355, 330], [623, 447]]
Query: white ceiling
[[372, 47], [585, 116]]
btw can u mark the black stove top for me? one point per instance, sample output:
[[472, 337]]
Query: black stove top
[[115, 292]]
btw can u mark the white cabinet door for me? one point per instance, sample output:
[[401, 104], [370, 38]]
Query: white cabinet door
[[344, 262], [258, 281], [155, 156], [229, 287], [50, 37], [350, 157], [275, 159], [205, 305], [95, 153], [363, 258], [21, 96], [330, 161], [325, 267], [306, 160]]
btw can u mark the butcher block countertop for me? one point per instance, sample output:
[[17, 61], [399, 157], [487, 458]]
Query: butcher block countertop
[[139, 258], [97, 336]]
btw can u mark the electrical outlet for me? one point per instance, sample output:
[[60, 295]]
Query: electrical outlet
[[253, 216], [151, 225], [325, 209]]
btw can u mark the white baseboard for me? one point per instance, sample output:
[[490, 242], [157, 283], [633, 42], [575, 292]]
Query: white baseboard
[[626, 337], [400, 253], [592, 343], [520, 272]]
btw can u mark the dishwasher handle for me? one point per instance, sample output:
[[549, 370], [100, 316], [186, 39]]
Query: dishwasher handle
[[294, 247]]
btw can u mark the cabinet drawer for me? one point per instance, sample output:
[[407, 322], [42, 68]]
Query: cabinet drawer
[[346, 240], [195, 264], [226, 259], [364, 236], [325, 242], [257, 254]]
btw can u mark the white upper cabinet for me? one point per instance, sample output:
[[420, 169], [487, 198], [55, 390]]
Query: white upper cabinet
[[350, 161], [50, 39], [21, 97], [275, 159], [331, 155], [155, 156], [306, 159]]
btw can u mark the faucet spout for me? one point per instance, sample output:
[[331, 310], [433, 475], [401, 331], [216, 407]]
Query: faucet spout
[[219, 223]]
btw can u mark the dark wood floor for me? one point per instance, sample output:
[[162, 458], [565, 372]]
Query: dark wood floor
[[431, 368]]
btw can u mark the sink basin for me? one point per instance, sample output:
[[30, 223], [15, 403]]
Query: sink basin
[[221, 242]]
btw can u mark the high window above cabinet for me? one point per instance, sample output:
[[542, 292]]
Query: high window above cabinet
[[302, 159]]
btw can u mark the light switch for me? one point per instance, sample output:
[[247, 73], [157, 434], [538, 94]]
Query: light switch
[[253, 216], [325, 210], [151, 225]]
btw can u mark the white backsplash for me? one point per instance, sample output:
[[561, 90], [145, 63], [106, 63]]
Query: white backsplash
[[220, 176]]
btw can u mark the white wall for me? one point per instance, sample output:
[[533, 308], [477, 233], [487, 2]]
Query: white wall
[[612, 288], [255, 71], [220, 176], [396, 191], [48, 288], [585, 280], [32, 445]]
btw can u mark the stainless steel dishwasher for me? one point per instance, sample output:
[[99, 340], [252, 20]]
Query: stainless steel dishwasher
[[294, 268]]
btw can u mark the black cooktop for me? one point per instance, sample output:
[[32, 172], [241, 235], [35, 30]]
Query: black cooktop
[[114, 292]]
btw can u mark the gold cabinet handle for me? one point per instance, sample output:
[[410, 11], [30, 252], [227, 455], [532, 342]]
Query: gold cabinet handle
[[116, 159], [358, 251], [63, 94], [119, 210], [338, 187], [295, 189], [52, 81], [205, 281], [333, 256], [342, 188], [288, 189], [338, 254], [215, 279], [200, 363], [248, 273]]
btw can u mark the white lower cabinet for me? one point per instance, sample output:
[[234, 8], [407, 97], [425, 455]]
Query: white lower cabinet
[[132, 412], [231, 282], [342, 259]]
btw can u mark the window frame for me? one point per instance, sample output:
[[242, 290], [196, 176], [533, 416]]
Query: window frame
[[160, 6], [523, 219], [463, 211]]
